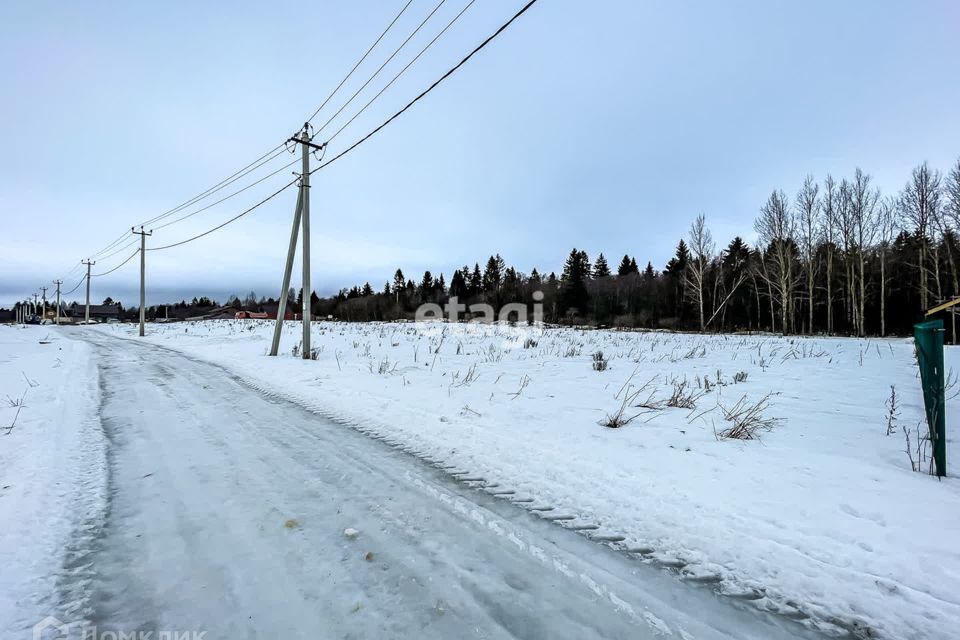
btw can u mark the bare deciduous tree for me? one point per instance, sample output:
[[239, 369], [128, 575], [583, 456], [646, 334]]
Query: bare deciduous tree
[[863, 207], [919, 202], [845, 227], [829, 207], [808, 224], [886, 231], [701, 254], [947, 221], [776, 228]]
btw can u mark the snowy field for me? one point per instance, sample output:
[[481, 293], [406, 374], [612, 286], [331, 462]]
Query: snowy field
[[52, 474], [820, 517]]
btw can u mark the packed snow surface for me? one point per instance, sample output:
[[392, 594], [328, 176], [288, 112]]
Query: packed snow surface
[[234, 513], [820, 518], [52, 475]]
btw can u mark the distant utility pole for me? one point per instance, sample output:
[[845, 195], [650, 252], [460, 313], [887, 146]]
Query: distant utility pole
[[58, 283], [143, 269], [86, 315], [36, 296], [301, 217], [43, 314]]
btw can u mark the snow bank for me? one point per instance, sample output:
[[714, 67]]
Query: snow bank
[[52, 475], [822, 518]]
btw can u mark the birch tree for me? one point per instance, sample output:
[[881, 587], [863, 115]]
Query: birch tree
[[829, 232], [948, 222], [701, 250], [776, 227], [808, 226], [845, 230], [863, 205], [919, 201], [886, 231]]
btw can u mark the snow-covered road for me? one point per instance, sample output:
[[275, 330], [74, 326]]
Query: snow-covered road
[[227, 514]]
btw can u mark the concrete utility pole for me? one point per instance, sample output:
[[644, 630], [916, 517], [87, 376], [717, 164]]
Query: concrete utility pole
[[43, 314], [301, 217], [86, 315], [307, 307], [287, 270], [58, 283], [143, 268], [36, 297]]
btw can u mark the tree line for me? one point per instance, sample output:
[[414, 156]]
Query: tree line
[[837, 257]]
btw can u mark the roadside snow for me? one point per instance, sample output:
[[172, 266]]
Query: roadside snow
[[822, 518], [52, 475]]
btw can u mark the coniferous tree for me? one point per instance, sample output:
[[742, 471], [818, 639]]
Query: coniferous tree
[[426, 287], [492, 275], [458, 286], [601, 269], [476, 280], [573, 290]]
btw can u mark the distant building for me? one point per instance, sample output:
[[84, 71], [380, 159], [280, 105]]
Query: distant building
[[98, 312]]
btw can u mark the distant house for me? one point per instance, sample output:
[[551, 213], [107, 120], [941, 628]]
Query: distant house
[[51, 313], [269, 312], [223, 313], [98, 312], [173, 313]]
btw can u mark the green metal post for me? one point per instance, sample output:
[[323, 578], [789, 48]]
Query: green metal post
[[929, 340]]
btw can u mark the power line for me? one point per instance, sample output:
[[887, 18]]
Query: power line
[[369, 135], [129, 258], [402, 71], [120, 238], [264, 157], [132, 241], [225, 198], [236, 217], [356, 144], [76, 287], [380, 68], [253, 166], [360, 61], [433, 86]]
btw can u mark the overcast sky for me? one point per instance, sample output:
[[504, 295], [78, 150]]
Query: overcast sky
[[602, 125]]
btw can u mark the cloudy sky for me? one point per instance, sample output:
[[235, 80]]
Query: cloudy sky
[[604, 125]]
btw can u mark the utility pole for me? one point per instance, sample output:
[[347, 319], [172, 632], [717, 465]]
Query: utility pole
[[143, 268], [86, 315], [36, 297], [58, 283], [285, 288], [43, 314], [301, 217]]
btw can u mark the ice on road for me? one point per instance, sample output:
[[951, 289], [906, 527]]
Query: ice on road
[[231, 512]]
